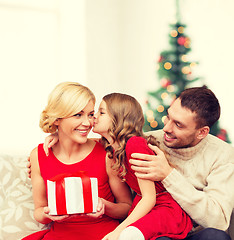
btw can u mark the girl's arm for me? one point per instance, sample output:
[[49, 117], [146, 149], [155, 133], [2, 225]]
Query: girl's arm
[[41, 211], [148, 192], [122, 193], [147, 187], [146, 203], [52, 139], [144, 206]]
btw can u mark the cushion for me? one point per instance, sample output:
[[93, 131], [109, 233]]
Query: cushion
[[16, 203]]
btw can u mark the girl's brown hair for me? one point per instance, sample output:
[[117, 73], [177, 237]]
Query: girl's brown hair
[[127, 121]]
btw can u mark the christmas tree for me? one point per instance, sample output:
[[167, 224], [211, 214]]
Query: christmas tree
[[175, 74]]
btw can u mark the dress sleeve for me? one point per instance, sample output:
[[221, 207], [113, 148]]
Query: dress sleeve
[[137, 145]]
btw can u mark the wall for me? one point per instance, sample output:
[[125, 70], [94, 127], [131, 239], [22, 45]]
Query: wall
[[136, 31], [109, 45], [42, 43]]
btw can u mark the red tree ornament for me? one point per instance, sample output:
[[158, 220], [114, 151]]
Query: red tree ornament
[[222, 134], [181, 40], [160, 59], [165, 82]]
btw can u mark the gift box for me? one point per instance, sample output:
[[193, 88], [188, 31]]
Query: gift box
[[72, 193]]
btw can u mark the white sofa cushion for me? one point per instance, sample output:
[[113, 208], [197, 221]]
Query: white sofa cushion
[[16, 203]]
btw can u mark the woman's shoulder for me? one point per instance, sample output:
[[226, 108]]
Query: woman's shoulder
[[97, 146], [34, 155], [37, 149], [34, 151]]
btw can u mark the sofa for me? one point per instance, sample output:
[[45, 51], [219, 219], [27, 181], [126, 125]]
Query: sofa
[[16, 203]]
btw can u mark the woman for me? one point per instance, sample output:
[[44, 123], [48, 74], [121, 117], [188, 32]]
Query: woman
[[70, 113]]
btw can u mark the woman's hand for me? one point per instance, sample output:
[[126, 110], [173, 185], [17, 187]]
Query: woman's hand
[[55, 218], [100, 210]]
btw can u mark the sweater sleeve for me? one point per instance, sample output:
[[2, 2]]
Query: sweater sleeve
[[212, 204]]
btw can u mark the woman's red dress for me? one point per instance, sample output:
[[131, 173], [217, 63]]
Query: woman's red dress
[[79, 228]]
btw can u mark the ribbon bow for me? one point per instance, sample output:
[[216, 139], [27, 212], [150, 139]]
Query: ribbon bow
[[60, 191]]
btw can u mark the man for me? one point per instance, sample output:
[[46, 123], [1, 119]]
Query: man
[[198, 169]]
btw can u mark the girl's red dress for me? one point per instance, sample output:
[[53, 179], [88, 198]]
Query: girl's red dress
[[166, 218], [78, 228]]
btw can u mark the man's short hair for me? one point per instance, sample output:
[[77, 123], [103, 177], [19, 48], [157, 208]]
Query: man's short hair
[[204, 103]]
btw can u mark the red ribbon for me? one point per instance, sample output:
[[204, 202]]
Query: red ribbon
[[60, 191]]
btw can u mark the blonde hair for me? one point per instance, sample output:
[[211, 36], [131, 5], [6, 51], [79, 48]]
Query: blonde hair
[[66, 100], [127, 121]]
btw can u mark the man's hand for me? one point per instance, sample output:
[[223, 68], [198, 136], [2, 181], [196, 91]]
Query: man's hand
[[151, 167], [29, 167]]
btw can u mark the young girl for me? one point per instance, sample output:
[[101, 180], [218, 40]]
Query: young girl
[[154, 212], [70, 113]]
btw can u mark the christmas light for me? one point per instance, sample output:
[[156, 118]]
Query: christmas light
[[175, 74], [164, 95], [154, 124], [186, 70], [193, 64], [150, 113], [150, 119], [167, 65], [174, 33], [180, 29], [187, 43], [170, 88], [184, 58], [160, 108]]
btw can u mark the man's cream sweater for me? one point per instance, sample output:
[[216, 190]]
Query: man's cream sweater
[[202, 181]]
